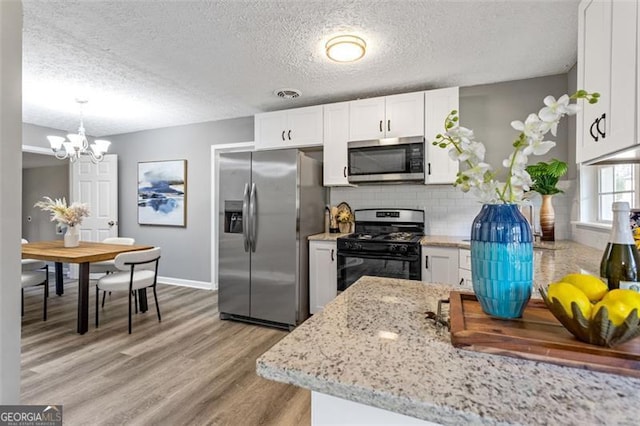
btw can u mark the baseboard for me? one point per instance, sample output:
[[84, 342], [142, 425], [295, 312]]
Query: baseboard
[[185, 283]]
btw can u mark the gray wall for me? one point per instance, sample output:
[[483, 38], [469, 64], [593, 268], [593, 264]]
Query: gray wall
[[10, 185], [37, 135], [186, 252], [36, 183], [489, 110]]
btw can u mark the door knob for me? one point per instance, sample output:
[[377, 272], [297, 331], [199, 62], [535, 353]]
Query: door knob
[[111, 223]]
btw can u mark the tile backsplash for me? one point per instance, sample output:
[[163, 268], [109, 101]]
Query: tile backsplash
[[448, 210]]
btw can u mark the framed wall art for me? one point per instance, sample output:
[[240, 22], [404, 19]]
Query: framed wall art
[[162, 193]]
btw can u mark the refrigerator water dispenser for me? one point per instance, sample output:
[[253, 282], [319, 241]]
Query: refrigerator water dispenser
[[233, 216]]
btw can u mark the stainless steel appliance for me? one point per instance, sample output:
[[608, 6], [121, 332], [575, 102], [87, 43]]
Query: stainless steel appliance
[[386, 243], [386, 160], [270, 202]]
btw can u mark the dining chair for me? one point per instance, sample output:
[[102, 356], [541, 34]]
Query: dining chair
[[34, 273], [137, 270], [32, 278], [108, 266]]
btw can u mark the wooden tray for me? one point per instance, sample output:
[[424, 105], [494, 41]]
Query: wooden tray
[[538, 336]]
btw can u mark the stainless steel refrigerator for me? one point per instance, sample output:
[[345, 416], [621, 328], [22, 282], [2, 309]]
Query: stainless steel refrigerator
[[270, 202]]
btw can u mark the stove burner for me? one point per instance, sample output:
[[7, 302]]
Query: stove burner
[[400, 236], [362, 236]]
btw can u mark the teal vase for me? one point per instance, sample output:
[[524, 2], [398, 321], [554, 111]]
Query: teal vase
[[502, 260]]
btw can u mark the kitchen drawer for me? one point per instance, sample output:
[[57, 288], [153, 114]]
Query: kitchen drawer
[[464, 259]]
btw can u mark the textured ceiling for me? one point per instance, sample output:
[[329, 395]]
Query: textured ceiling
[[145, 64]]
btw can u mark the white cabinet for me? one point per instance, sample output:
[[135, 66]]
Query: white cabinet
[[323, 274], [464, 269], [437, 106], [439, 265], [293, 128], [336, 135], [387, 117], [607, 51]]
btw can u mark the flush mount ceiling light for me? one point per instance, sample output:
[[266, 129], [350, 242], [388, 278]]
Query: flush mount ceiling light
[[78, 145], [346, 48]]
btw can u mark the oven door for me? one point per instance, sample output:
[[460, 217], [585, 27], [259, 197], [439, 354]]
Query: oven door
[[352, 266]]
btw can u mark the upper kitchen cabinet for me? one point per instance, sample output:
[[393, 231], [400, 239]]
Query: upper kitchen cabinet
[[336, 135], [438, 104], [293, 128], [607, 51], [387, 117]]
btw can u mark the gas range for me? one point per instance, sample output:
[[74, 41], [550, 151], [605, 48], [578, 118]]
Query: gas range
[[380, 230], [386, 244]]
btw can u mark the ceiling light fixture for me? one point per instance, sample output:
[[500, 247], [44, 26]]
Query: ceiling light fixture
[[78, 145], [346, 48]]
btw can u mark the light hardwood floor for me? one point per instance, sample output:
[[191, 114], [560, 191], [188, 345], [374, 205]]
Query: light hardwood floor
[[190, 369]]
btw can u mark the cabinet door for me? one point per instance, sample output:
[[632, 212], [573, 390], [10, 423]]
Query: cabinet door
[[304, 127], [404, 115], [594, 67], [366, 119], [270, 130], [336, 135], [621, 132], [440, 265], [323, 274], [437, 106], [464, 279]]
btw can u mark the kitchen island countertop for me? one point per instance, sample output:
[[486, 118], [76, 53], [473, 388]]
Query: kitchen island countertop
[[374, 346]]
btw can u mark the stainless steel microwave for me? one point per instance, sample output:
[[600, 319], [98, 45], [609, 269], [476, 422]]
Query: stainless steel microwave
[[386, 160]]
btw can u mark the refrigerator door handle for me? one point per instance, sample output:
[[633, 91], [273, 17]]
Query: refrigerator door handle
[[252, 214], [245, 217]]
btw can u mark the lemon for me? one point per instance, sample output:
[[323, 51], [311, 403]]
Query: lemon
[[567, 293], [616, 309], [592, 286], [626, 296]]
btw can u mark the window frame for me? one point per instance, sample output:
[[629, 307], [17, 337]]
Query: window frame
[[635, 191]]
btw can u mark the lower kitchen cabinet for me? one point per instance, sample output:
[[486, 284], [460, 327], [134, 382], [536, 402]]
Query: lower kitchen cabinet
[[464, 269], [323, 274], [440, 265]]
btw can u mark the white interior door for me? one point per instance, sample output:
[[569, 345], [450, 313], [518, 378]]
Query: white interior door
[[97, 185]]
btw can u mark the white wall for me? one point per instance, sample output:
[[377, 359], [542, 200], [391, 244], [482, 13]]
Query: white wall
[[10, 186]]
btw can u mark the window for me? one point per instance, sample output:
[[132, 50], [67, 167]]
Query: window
[[616, 182]]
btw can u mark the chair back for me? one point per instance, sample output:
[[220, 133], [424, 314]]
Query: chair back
[[142, 259], [125, 241]]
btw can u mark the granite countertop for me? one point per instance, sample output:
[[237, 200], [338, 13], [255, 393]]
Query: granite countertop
[[465, 243], [326, 236], [373, 345]]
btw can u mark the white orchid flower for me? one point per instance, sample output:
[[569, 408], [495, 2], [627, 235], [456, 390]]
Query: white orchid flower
[[532, 127], [538, 147]]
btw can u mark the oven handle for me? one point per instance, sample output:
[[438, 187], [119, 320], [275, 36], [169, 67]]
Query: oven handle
[[379, 256]]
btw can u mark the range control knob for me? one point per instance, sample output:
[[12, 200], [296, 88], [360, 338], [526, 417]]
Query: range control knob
[[403, 249]]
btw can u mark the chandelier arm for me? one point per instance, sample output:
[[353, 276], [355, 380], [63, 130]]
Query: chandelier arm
[[61, 154]]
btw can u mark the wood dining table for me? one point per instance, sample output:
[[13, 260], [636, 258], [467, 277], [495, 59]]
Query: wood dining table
[[83, 255]]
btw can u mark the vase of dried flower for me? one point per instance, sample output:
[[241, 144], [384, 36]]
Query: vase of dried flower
[[72, 236]]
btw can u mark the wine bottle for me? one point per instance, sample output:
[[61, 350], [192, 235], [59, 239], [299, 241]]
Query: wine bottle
[[621, 260]]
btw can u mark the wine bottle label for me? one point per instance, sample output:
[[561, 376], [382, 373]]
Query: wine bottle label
[[630, 285]]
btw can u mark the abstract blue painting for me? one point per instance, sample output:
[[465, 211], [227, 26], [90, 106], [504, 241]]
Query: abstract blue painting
[[162, 193]]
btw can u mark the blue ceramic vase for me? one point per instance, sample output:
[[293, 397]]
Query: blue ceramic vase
[[502, 260]]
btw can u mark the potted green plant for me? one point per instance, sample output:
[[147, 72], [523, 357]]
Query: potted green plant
[[545, 178]]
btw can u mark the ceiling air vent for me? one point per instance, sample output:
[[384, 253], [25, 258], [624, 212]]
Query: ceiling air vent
[[288, 93]]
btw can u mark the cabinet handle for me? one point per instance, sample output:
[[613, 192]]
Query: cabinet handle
[[380, 126], [388, 125], [461, 281], [283, 135], [344, 171], [332, 258], [596, 124], [426, 262], [289, 134], [428, 168]]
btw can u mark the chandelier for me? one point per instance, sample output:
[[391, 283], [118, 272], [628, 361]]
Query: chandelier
[[77, 144]]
